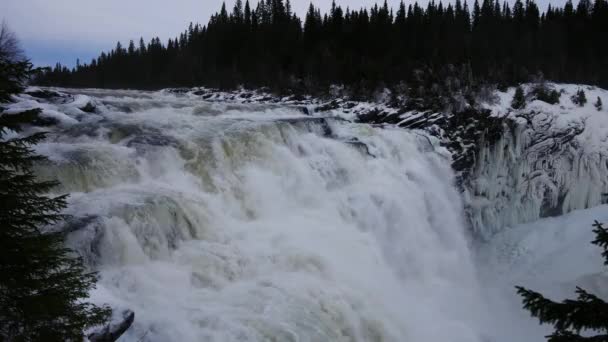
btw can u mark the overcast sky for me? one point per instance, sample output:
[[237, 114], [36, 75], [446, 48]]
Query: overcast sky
[[62, 30]]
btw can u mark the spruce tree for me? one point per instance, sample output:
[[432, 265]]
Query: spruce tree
[[266, 46], [598, 104], [42, 285], [579, 98], [519, 100], [571, 316]]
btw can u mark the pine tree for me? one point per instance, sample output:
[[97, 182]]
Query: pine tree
[[598, 104], [42, 286], [570, 317], [579, 98], [519, 100], [267, 45], [543, 93]]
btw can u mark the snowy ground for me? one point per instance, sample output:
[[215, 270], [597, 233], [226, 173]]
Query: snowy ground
[[552, 256]]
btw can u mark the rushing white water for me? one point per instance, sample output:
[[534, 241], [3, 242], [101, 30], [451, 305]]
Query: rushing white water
[[216, 222]]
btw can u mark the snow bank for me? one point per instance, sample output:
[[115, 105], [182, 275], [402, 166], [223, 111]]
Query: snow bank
[[551, 255]]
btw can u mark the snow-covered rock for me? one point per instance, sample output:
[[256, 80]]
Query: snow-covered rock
[[549, 160], [519, 165]]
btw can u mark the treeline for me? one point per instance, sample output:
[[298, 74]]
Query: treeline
[[269, 45]]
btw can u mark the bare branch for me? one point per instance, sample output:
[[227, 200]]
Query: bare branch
[[10, 50]]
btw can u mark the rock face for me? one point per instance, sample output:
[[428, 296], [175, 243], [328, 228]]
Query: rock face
[[517, 166], [549, 160], [114, 329]]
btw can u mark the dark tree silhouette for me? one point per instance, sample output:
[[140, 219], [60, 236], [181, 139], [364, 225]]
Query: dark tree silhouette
[[519, 100], [42, 285], [267, 45], [580, 98]]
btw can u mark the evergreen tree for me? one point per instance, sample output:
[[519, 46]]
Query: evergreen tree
[[42, 286], [265, 44], [598, 104], [570, 317], [579, 98], [543, 93], [519, 100]]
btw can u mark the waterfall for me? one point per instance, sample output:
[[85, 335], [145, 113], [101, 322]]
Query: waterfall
[[219, 222]]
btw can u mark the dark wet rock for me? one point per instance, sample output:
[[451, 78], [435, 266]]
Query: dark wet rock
[[361, 146], [467, 131], [349, 105], [266, 99], [118, 106], [77, 223], [44, 94], [140, 136], [114, 329], [178, 90], [297, 97], [327, 131], [85, 234], [549, 209], [371, 117], [42, 121], [378, 116], [151, 139], [304, 110], [88, 108], [463, 132], [312, 124], [83, 129], [422, 120], [50, 96], [328, 106]]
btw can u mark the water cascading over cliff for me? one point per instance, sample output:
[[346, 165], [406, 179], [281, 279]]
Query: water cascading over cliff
[[218, 222]]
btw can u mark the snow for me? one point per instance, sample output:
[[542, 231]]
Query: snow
[[551, 256], [553, 160], [550, 252], [565, 113]]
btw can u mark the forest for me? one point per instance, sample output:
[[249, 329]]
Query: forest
[[268, 45]]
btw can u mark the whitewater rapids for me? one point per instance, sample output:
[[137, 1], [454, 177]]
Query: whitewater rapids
[[226, 222]]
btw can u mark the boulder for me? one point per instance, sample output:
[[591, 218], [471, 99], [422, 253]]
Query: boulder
[[88, 108]]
